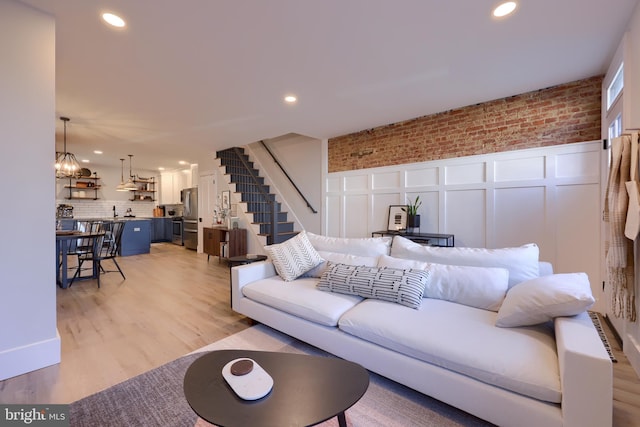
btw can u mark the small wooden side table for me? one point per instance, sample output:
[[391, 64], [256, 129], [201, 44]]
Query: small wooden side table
[[244, 259]]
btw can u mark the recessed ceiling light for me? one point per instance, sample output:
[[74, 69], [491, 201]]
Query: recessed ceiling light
[[97, 152], [290, 99], [113, 20], [85, 161], [160, 168], [182, 162], [504, 9]]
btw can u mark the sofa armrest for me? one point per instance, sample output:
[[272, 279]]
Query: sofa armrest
[[242, 275], [586, 373]]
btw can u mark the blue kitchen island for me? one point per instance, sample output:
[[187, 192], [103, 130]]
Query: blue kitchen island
[[136, 237]]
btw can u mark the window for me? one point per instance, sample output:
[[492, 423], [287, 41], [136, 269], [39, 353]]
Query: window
[[615, 128], [615, 88]]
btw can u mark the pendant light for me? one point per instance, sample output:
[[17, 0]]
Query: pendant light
[[130, 185], [120, 186], [66, 163]]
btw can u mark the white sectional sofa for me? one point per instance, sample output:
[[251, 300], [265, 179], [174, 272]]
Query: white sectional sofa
[[461, 342]]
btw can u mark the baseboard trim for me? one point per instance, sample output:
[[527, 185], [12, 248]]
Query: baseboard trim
[[37, 355], [632, 351], [617, 336]]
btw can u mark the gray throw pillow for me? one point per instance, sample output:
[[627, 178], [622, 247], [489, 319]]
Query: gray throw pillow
[[389, 284]]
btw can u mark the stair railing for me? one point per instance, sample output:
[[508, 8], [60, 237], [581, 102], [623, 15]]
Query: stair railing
[[288, 177], [273, 237]]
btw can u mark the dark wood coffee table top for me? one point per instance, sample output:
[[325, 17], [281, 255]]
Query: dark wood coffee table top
[[306, 389]]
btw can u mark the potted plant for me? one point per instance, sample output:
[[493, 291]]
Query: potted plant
[[413, 219]]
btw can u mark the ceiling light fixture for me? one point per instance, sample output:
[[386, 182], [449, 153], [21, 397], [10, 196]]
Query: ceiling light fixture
[[130, 186], [290, 99], [120, 186], [504, 9], [97, 152], [113, 20], [66, 163]]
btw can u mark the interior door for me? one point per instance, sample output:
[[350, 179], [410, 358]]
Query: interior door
[[206, 201]]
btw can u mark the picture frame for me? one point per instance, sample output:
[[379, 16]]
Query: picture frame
[[226, 199], [397, 218], [234, 222]]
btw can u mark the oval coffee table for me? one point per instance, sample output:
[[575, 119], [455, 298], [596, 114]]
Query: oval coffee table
[[307, 390]]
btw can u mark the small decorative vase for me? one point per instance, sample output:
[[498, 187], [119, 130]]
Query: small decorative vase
[[413, 221]]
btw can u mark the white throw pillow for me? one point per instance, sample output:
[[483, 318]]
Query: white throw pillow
[[522, 261], [389, 284], [365, 246], [340, 258], [293, 257], [540, 300], [480, 287]]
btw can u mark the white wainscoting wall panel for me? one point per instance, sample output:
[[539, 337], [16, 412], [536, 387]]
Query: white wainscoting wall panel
[[550, 196]]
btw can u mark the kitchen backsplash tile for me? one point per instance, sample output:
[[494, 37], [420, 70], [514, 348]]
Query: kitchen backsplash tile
[[104, 208]]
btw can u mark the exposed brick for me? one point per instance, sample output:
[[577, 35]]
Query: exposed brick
[[562, 114]]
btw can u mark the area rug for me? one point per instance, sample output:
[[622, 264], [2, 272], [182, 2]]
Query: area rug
[[156, 398]]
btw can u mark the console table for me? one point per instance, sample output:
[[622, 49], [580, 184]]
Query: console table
[[224, 243], [430, 239]]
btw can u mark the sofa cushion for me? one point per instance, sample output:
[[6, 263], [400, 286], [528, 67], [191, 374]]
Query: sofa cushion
[[301, 298], [465, 340], [480, 287], [540, 300], [293, 257], [390, 284], [340, 258], [522, 261], [365, 246]]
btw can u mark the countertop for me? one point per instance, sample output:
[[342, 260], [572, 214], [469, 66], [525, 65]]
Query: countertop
[[120, 218]]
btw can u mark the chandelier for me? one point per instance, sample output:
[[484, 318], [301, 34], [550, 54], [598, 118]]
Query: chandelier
[[66, 163]]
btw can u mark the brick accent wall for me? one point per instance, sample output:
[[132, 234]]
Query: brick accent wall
[[561, 114]]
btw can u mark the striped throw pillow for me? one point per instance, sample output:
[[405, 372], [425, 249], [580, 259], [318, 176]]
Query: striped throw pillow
[[293, 257], [390, 284]]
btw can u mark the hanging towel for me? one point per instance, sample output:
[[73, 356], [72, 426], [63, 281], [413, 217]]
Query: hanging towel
[[619, 249], [632, 226]]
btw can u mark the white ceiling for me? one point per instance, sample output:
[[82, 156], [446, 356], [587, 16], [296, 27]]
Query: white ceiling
[[186, 78]]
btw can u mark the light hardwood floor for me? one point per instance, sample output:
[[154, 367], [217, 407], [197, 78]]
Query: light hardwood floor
[[173, 302]]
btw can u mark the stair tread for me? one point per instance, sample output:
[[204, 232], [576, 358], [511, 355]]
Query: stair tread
[[249, 184]]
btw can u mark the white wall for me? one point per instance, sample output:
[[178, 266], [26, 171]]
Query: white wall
[[28, 335], [549, 196], [631, 331]]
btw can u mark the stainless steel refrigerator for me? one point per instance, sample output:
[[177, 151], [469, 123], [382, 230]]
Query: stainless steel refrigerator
[[189, 198]]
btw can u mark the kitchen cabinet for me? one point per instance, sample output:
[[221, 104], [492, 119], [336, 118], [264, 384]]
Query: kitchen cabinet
[[136, 237], [168, 194], [223, 242], [160, 230], [171, 183]]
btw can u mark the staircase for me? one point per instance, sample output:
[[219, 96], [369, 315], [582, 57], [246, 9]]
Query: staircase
[[252, 190]]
